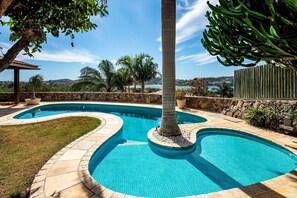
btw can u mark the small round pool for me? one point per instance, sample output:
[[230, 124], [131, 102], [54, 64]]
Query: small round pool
[[222, 159]]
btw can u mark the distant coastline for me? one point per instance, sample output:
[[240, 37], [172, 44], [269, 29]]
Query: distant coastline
[[210, 87]]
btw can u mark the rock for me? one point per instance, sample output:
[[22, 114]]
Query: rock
[[287, 128], [229, 114], [238, 114], [240, 103], [256, 105]]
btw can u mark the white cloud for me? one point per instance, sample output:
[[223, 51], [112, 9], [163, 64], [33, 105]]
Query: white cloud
[[160, 48], [182, 5], [202, 58], [67, 56], [186, 3], [192, 21], [114, 61], [179, 49]]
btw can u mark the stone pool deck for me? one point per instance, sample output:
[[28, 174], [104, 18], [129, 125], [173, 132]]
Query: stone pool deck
[[66, 173]]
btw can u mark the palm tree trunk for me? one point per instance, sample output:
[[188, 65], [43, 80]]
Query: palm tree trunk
[[142, 86], [169, 125], [33, 95]]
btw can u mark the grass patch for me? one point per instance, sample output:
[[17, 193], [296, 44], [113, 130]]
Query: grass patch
[[25, 148]]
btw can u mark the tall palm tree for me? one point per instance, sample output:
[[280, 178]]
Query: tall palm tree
[[129, 62], [107, 71], [35, 82], [169, 126], [123, 79], [146, 69], [224, 89], [141, 67], [92, 79]]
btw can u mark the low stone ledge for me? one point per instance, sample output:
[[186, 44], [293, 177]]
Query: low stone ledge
[[183, 141]]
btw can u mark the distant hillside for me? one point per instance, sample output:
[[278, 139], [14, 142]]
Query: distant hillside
[[181, 82], [155, 81], [158, 81], [218, 80], [60, 81]]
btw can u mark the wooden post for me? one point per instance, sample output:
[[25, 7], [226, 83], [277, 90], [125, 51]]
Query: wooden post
[[16, 86]]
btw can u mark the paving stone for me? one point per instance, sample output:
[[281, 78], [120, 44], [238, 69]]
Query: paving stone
[[107, 193], [84, 145], [62, 167], [286, 191], [237, 192], [58, 183], [98, 189], [72, 155], [118, 195], [76, 191]]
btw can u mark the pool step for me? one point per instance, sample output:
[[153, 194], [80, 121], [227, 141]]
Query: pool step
[[131, 142]]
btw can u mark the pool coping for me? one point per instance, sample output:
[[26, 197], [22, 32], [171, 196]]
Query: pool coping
[[76, 181]]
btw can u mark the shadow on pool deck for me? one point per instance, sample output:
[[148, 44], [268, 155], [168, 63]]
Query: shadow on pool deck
[[9, 109]]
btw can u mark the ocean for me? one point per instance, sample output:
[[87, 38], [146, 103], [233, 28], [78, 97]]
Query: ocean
[[210, 87]]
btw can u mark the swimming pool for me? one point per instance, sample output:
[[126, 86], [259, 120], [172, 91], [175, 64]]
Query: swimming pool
[[223, 159], [137, 120]]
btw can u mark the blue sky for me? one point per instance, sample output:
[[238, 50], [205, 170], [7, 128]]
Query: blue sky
[[132, 27]]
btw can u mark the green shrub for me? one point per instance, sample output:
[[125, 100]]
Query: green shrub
[[255, 117], [268, 117], [272, 117]]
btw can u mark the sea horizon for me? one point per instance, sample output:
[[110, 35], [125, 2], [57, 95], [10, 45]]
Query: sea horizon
[[156, 86]]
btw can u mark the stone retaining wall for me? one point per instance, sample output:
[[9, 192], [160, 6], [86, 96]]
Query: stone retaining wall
[[228, 106], [236, 107], [88, 96]]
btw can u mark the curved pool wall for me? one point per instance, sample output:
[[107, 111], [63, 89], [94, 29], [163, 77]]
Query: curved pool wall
[[170, 152], [223, 159]]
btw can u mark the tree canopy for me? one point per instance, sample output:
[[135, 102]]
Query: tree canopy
[[35, 82], [224, 89], [124, 79], [142, 67], [244, 32], [103, 79], [199, 86], [30, 22]]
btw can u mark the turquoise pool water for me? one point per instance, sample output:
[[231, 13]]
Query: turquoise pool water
[[223, 159], [137, 120]]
